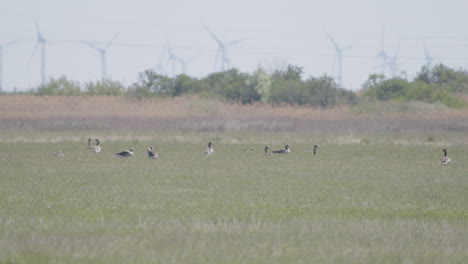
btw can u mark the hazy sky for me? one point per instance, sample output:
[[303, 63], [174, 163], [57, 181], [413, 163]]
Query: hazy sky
[[277, 32]]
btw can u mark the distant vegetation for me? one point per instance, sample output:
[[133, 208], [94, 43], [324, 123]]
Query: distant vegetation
[[433, 84]]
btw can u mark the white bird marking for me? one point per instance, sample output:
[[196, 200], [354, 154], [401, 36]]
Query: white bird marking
[[210, 149], [286, 150], [152, 154], [125, 154], [445, 159]]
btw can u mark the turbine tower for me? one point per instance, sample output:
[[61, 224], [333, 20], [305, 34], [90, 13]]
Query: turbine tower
[[339, 54], [103, 53], [224, 61], [10, 43], [427, 56], [40, 41]]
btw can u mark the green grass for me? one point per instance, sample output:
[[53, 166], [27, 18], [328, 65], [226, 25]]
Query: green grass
[[352, 203]]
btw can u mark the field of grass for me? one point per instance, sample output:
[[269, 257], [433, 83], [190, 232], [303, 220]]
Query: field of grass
[[375, 193], [352, 203]]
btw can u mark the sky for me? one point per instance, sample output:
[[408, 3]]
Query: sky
[[271, 33]]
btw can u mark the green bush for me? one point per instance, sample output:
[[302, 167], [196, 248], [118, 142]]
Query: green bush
[[151, 83], [60, 86], [448, 79], [390, 89], [287, 92], [231, 85], [432, 85]]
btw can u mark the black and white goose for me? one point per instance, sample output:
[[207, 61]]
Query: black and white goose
[[445, 159], [96, 148], [266, 150], [125, 154], [315, 150], [210, 149], [286, 150], [152, 154]]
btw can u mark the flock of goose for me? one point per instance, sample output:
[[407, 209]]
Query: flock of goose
[[152, 154]]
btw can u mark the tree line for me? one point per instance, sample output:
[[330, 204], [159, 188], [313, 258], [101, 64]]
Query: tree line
[[432, 84]]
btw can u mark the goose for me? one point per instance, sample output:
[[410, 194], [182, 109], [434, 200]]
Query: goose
[[283, 151], [58, 153], [96, 148], [125, 154], [89, 143], [266, 150], [315, 148], [152, 154], [445, 159], [210, 149]]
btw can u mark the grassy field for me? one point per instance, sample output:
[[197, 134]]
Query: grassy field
[[351, 203], [375, 193]]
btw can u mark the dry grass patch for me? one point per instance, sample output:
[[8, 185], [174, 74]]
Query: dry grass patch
[[122, 118]]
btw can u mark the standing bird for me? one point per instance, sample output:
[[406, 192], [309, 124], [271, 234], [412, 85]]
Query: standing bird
[[152, 154], [89, 143], [445, 159], [210, 149], [125, 154], [96, 148], [283, 151], [315, 149], [266, 150]]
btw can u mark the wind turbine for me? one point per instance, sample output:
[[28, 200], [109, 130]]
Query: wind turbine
[[339, 54], [159, 68], [40, 41], [393, 61], [172, 58], [427, 56], [10, 43], [103, 53], [382, 53], [184, 62], [225, 61]]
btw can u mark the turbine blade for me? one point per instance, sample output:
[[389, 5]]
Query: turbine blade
[[235, 41], [13, 42], [112, 40], [39, 36], [91, 45], [333, 42], [220, 43], [193, 57]]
